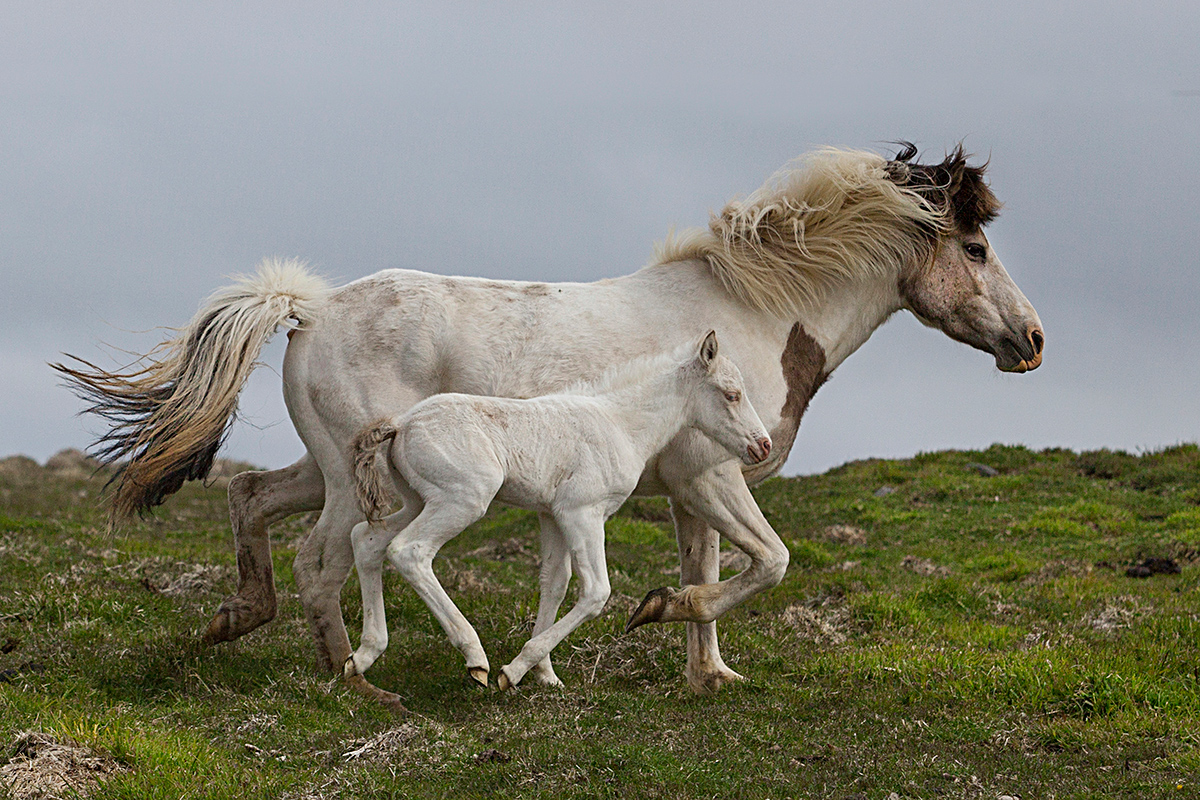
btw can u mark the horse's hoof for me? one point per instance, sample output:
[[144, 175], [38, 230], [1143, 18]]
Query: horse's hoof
[[387, 699], [711, 682], [503, 682], [235, 618], [349, 669], [479, 675], [651, 609]]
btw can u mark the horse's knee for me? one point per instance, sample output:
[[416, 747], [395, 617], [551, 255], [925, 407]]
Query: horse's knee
[[775, 563]]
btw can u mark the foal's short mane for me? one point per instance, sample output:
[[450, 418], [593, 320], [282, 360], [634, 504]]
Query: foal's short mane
[[830, 216], [631, 373]]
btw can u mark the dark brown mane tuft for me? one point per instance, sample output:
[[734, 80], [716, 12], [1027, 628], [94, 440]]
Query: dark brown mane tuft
[[953, 187]]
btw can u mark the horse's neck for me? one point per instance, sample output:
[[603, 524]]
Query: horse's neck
[[849, 313], [651, 412]]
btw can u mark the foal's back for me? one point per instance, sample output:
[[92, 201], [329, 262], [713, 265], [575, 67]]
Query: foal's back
[[541, 453]]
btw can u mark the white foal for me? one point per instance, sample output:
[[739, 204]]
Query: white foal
[[573, 457]]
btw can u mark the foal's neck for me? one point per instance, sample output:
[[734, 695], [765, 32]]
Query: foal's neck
[[651, 412]]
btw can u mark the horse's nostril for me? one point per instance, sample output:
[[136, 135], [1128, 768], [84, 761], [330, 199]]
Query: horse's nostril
[[1035, 336], [765, 444]]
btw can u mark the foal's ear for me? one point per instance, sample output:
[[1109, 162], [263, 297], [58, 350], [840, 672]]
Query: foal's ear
[[708, 350]]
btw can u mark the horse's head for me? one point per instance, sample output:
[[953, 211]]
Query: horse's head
[[720, 408], [962, 288]]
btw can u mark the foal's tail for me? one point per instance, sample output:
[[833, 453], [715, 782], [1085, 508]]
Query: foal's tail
[[373, 495], [171, 416]]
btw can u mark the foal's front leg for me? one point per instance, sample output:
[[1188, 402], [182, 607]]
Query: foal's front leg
[[583, 534], [555, 574]]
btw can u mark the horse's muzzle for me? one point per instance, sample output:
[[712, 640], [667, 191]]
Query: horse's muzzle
[[1035, 339]]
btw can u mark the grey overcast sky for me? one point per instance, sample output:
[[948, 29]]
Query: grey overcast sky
[[150, 150]]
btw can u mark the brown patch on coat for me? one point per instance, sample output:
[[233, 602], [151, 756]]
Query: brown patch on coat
[[953, 187], [803, 363]]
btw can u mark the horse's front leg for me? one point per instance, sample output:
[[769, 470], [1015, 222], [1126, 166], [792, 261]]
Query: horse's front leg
[[700, 563], [721, 498], [258, 500]]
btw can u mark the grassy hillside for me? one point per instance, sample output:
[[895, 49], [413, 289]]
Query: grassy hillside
[[941, 632]]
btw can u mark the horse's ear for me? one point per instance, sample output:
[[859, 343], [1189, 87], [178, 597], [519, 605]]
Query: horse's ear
[[708, 350]]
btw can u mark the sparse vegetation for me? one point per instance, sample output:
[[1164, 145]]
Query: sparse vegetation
[[958, 635]]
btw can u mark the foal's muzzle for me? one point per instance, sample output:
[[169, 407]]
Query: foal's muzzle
[[757, 451]]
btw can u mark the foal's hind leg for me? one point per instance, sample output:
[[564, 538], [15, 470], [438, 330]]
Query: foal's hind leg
[[446, 514], [257, 500], [370, 548], [554, 577]]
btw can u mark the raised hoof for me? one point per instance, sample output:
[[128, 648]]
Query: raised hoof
[[387, 699], [651, 609], [479, 675], [350, 668]]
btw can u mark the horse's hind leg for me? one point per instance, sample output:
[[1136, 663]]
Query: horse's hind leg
[[257, 500], [321, 568], [554, 577]]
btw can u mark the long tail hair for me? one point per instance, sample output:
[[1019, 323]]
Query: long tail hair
[[170, 417], [374, 497]]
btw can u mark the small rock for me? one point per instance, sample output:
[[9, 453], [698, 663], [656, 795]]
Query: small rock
[[884, 491], [984, 469]]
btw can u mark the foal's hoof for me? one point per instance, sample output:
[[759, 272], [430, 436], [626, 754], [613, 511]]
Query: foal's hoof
[[503, 681], [651, 609], [349, 669], [479, 675]]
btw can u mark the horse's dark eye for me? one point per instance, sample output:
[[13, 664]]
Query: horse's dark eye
[[732, 397], [976, 251]]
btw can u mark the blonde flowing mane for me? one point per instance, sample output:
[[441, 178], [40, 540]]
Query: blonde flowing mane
[[828, 217]]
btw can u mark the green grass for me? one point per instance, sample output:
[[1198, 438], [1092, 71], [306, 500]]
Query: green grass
[[982, 639]]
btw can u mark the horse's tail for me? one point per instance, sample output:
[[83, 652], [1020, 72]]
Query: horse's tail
[[171, 416], [374, 496]]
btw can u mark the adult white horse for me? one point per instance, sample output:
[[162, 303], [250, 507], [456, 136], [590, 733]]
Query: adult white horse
[[796, 276]]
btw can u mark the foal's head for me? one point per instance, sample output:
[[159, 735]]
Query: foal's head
[[962, 288], [719, 406]]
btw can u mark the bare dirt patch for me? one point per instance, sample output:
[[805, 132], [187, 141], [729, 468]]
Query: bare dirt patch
[[43, 768], [923, 566], [844, 534]]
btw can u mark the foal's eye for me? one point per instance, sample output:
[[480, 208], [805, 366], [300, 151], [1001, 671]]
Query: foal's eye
[[732, 397], [976, 251]]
